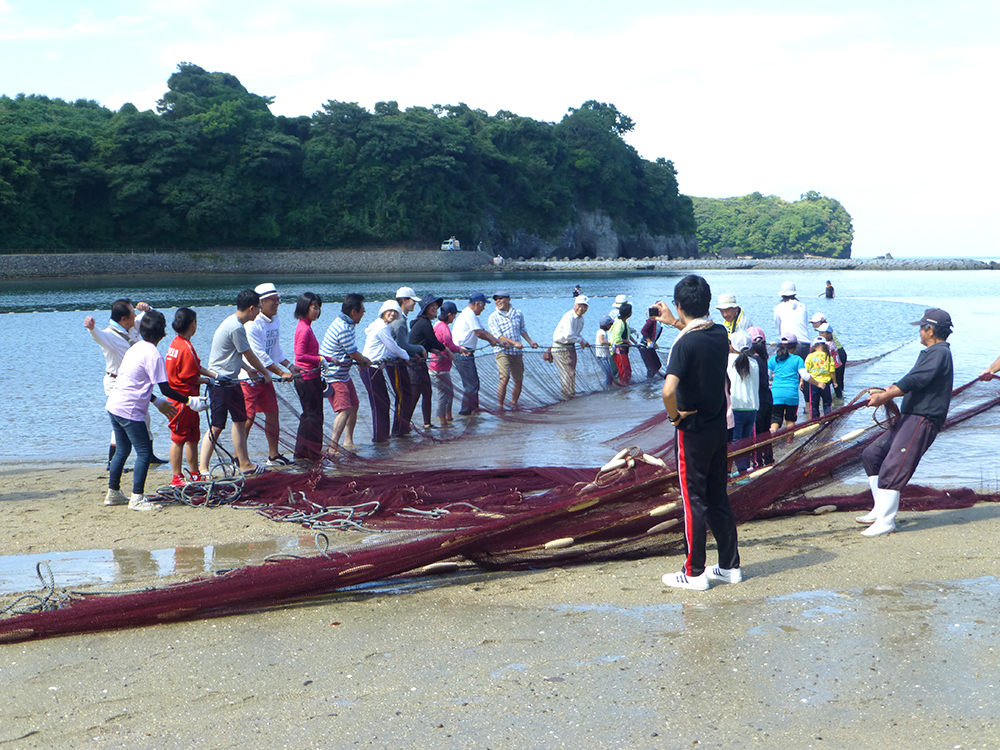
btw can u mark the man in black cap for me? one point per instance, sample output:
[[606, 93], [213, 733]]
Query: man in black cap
[[508, 321], [926, 390]]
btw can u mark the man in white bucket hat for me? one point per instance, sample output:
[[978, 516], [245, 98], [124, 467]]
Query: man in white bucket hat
[[791, 318]]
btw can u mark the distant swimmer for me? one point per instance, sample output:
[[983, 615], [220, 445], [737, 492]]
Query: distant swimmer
[[828, 292], [577, 291], [926, 390]]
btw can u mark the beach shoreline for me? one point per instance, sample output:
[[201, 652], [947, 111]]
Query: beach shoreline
[[127, 264], [827, 625]]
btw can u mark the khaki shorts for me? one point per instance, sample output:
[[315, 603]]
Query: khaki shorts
[[510, 365]]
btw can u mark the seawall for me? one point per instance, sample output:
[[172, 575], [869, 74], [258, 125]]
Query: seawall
[[762, 264], [301, 262]]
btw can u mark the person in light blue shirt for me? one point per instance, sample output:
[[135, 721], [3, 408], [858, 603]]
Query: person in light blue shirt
[[785, 368]]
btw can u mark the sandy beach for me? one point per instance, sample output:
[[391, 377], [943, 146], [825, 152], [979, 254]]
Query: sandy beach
[[833, 640]]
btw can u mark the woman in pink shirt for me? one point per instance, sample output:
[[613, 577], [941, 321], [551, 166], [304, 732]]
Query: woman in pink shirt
[[310, 386], [440, 366]]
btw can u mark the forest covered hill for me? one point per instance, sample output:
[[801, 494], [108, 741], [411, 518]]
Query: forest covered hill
[[212, 167]]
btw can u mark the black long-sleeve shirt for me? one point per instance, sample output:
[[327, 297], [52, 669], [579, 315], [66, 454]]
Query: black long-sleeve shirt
[[422, 334], [928, 385]]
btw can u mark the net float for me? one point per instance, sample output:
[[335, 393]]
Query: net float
[[566, 541], [652, 460], [805, 431], [662, 510]]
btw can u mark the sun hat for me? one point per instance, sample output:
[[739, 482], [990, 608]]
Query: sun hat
[[756, 333], [266, 290], [390, 304], [428, 300], [740, 341], [787, 289], [620, 300], [727, 301], [406, 292]]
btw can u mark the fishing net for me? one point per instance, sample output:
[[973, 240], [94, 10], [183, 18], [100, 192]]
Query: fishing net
[[500, 518]]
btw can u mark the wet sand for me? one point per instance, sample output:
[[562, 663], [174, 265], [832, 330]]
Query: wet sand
[[833, 640]]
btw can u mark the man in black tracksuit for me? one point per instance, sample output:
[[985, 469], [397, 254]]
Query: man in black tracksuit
[[926, 390], [694, 395]]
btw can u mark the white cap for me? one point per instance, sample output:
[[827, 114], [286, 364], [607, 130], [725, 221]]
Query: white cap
[[788, 289], [390, 304], [581, 299], [818, 318], [266, 290], [405, 292]]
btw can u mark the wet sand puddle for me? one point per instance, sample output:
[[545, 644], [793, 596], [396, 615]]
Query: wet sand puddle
[[133, 567]]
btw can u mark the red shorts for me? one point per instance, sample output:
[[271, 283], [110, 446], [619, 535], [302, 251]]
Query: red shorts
[[259, 398], [345, 395], [185, 425]]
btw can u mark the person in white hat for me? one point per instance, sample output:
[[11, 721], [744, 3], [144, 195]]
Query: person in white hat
[[380, 349], [734, 317], [264, 335], [620, 300], [791, 319], [565, 338], [399, 372]]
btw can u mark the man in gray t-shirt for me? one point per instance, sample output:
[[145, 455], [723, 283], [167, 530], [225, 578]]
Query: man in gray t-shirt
[[229, 347]]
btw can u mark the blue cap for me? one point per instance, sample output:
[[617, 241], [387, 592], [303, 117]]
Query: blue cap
[[477, 297], [447, 308], [497, 295]]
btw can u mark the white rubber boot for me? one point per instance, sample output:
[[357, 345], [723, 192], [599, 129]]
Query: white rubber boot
[[870, 516], [886, 505]]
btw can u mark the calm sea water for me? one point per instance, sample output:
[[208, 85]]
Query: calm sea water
[[55, 402]]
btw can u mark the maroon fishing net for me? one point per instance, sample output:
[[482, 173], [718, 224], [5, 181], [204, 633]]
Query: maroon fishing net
[[501, 518]]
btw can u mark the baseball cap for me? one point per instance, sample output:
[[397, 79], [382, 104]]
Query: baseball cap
[[477, 297], [726, 301], [406, 292], [934, 316], [582, 299]]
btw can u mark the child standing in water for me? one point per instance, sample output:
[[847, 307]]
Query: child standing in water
[[820, 366], [602, 349]]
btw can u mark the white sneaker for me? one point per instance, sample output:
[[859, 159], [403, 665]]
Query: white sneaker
[[139, 502], [683, 581], [725, 575], [115, 497]]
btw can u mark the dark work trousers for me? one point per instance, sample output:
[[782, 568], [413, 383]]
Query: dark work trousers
[[420, 390], [652, 361], [702, 474], [838, 374], [309, 439], [895, 455], [399, 381], [378, 397], [466, 366], [764, 456]]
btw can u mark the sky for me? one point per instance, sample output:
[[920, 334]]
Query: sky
[[889, 107]]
